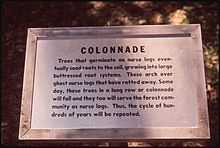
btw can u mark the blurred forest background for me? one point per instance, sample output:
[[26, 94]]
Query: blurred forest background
[[18, 16]]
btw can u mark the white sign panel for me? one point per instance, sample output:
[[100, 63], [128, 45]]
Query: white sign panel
[[146, 79]]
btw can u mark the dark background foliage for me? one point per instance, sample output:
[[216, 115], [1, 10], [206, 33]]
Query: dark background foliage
[[18, 16]]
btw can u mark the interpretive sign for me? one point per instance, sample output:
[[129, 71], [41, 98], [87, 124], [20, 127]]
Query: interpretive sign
[[121, 82]]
